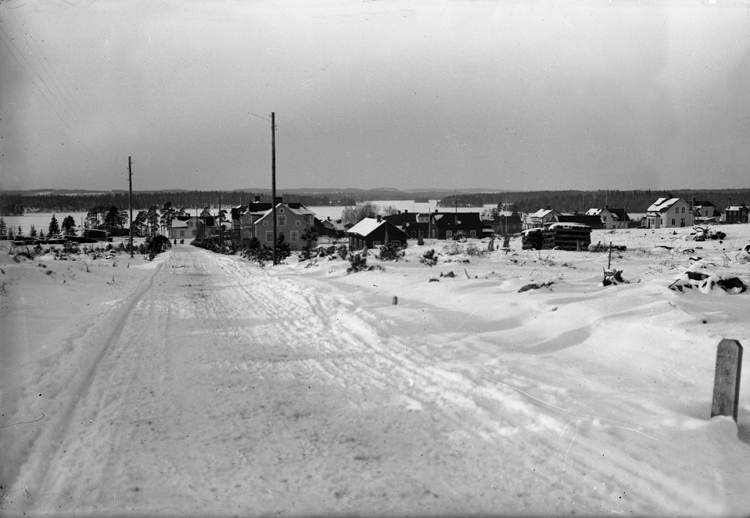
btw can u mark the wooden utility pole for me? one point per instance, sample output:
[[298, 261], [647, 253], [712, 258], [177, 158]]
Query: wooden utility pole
[[273, 180], [221, 230], [130, 202]]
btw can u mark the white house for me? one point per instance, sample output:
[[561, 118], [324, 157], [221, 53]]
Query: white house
[[541, 218], [184, 228], [669, 212], [611, 218]]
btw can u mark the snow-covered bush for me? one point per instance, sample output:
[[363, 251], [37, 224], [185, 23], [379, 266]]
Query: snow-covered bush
[[357, 262], [429, 258], [391, 252], [453, 249], [475, 251]]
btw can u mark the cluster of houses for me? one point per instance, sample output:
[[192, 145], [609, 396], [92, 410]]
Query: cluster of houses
[[255, 220], [294, 220]]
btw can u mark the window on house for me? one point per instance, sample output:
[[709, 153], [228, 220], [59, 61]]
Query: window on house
[[281, 211], [683, 210], [265, 223], [269, 236], [413, 234], [472, 233], [294, 236], [672, 221], [298, 222], [281, 221], [376, 243], [182, 233], [448, 234]]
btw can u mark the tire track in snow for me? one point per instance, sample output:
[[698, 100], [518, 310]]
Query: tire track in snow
[[47, 444]]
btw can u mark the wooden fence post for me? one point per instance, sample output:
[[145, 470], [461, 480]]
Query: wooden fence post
[[727, 378]]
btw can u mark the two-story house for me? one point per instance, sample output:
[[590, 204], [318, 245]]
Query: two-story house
[[705, 212], [736, 214], [413, 224], [293, 223], [445, 225], [669, 212], [540, 218], [184, 227]]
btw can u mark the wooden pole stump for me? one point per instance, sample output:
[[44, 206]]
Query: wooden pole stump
[[727, 379]]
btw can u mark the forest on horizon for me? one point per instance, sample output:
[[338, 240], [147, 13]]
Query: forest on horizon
[[636, 201]]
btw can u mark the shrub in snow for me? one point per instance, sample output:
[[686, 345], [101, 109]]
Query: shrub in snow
[[357, 262], [155, 245], [391, 252], [429, 258], [460, 236], [475, 251], [256, 252], [453, 249]]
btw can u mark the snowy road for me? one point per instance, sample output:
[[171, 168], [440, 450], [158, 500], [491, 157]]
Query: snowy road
[[223, 388]]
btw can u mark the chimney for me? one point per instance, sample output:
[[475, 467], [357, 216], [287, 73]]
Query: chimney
[[548, 207], [257, 199], [380, 218], [277, 200], [406, 211]]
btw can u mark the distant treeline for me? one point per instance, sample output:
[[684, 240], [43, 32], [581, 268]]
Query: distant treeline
[[581, 201], [14, 203], [523, 201]]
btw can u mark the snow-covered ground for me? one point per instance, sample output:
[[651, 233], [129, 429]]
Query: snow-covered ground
[[202, 384]]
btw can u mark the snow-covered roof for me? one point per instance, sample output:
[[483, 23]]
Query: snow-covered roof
[[541, 213], [366, 226], [302, 211], [736, 207], [594, 212], [662, 204], [179, 223]]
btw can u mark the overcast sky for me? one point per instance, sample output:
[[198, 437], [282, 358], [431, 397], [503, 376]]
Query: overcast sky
[[406, 94]]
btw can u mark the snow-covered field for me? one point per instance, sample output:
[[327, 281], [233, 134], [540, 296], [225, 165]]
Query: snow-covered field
[[200, 384]]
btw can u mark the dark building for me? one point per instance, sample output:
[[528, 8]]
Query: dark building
[[371, 232], [445, 225]]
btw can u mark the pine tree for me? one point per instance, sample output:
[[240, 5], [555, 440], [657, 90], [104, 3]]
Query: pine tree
[[3, 227], [20, 231], [283, 249], [69, 226], [54, 227], [32, 231]]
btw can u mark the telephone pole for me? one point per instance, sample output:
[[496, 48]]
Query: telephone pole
[[130, 202], [273, 180]]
